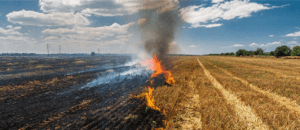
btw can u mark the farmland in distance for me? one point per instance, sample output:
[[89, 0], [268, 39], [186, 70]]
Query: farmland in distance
[[210, 92]]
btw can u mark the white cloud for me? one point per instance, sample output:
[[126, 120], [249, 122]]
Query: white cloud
[[265, 45], [104, 12], [105, 7], [113, 34], [11, 38], [228, 10], [206, 26], [14, 43], [253, 45], [10, 31], [9, 26], [216, 1], [103, 31], [108, 6], [53, 19], [192, 46], [238, 45], [272, 43], [17, 28], [51, 38], [295, 34], [292, 42], [124, 36], [271, 35]]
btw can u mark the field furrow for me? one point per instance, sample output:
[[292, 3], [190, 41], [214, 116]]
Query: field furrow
[[263, 78], [270, 110], [283, 101], [244, 112], [192, 118]]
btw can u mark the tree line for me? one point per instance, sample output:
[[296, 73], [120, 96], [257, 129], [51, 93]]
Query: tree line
[[278, 52]]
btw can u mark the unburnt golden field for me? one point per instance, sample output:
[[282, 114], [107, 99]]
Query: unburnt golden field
[[214, 92]]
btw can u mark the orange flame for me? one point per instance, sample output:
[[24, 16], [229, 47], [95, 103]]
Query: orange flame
[[150, 99], [155, 65]]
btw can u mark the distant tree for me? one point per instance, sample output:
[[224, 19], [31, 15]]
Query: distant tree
[[282, 51], [272, 53], [259, 51], [240, 52], [93, 54], [296, 51], [231, 53], [248, 53]]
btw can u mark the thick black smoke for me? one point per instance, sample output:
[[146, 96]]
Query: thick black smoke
[[159, 23]]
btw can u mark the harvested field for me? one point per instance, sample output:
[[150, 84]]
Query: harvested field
[[209, 93], [273, 98]]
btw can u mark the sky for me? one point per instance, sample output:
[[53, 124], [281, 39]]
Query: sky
[[207, 26]]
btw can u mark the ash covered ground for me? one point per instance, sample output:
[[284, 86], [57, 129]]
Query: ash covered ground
[[74, 93]]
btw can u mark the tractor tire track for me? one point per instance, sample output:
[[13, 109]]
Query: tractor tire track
[[244, 112], [283, 101], [193, 119]]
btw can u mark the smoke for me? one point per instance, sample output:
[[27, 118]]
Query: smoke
[[159, 21]]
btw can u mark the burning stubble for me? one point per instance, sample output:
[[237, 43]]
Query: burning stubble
[[159, 22]]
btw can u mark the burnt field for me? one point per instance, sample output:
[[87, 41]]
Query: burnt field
[[74, 93]]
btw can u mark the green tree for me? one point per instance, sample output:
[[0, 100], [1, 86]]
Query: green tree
[[259, 51], [282, 51], [296, 51], [272, 53], [248, 53], [240, 52], [93, 54]]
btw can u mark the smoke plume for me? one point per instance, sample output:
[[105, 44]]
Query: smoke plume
[[159, 20]]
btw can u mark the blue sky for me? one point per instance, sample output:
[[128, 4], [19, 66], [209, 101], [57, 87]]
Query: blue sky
[[82, 26]]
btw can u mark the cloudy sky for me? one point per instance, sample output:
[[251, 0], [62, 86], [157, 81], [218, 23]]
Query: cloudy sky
[[208, 26]]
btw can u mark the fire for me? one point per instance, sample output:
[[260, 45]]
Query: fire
[[155, 65], [150, 99]]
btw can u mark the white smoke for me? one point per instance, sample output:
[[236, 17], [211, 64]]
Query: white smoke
[[115, 77]]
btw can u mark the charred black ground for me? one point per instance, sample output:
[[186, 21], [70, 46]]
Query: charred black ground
[[57, 101]]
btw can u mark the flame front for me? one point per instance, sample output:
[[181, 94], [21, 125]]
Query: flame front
[[155, 65], [150, 99]]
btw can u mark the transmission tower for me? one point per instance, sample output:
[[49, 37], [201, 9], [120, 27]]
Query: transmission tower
[[48, 49]]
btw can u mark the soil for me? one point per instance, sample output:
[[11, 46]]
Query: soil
[[57, 100]]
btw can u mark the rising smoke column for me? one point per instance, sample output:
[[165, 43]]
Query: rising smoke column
[[158, 23]]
